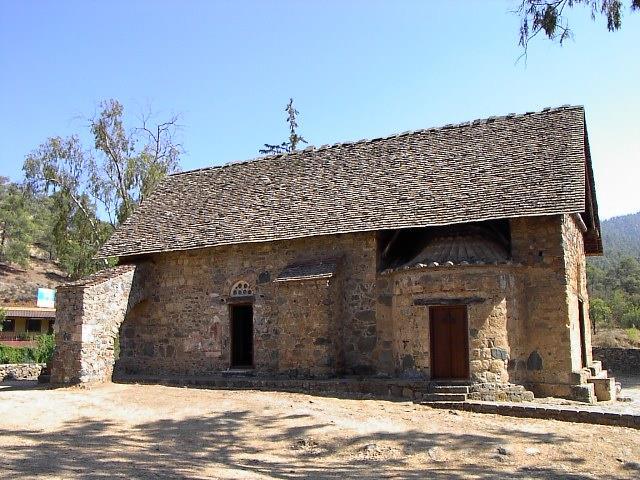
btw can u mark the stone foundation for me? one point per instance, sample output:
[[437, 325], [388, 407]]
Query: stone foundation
[[20, 371]]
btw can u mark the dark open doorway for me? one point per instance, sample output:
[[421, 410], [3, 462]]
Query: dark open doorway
[[583, 335], [449, 342], [241, 336]]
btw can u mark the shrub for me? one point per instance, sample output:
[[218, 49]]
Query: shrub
[[634, 335], [40, 354], [15, 355], [631, 318], [44, 351]]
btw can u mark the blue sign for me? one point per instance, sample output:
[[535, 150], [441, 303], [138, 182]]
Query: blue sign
[[46, 298]]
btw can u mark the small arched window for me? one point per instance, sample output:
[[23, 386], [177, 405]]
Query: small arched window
[[241, 289]]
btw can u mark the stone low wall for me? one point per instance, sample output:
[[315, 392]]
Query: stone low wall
[[499, 392], [20, 371], [619, 360], [545, 412], [416, 390]]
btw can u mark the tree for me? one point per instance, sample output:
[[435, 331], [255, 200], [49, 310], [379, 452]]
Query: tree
[[549, 17], [123, 176], [294, 138], [113, 178], [58, 170], [600, 313], [16, 222]]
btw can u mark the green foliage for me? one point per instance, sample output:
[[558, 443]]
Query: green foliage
[[76, 184], [122, 175], [614, 280], [600, 312], [633, 334], [550, 16], [16, 222], [3, 316], [294, 138], [42, 353], [15, 355]]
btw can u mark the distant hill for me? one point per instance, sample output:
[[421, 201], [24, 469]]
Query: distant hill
[[19, 286], [620, 237]]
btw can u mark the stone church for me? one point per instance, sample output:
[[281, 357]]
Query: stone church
[[452, 254]]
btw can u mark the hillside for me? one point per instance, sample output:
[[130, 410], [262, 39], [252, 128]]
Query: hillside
[[614, 283], [620, 237], [19, 286]]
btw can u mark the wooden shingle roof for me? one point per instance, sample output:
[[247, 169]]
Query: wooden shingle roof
[[500, 167]]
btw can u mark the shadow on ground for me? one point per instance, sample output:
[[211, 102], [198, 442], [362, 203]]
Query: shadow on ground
[[200, 446]]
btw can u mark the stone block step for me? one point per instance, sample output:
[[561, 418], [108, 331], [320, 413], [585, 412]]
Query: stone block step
[[595, 368], [604, 388], [452, 381], [584, 393], [443, 404], [238, 372], [444, 397], [450, 389]]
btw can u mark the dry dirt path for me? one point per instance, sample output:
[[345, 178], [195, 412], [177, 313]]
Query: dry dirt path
[[135, 431]]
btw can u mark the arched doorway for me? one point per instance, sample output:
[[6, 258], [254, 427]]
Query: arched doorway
[[241, 325]]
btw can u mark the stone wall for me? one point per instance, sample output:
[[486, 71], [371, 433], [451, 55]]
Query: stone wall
[[310, 327], [172, 312], [20, 371], [493, 311], [619, 360], [520, 325], [88, 317], [313, 348], [577, 294], [538, 243]]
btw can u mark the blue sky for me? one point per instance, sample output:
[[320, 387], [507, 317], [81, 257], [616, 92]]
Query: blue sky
[[356, 69]]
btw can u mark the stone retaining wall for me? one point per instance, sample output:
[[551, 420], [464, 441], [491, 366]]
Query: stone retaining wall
[[563, 414], [20, 371], [619, 360]]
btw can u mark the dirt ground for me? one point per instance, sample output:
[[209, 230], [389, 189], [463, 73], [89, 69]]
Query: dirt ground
[[136, 431]]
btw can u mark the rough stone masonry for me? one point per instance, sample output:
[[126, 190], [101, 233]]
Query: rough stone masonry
[[171, 312], [454, 254]]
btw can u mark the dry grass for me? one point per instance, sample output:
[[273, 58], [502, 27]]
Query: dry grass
[[19, 286], [617, 337]]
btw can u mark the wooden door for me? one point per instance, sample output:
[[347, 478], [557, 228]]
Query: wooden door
[[449, 342]]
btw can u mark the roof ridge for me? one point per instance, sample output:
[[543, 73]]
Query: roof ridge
[[448, 126]]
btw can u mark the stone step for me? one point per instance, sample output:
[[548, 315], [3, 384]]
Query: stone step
[[584, 393], [449, 405], [239, 372], [444, 397], [604, 388], [452, 381], [450, 389], [595, 368], [602, 374]]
